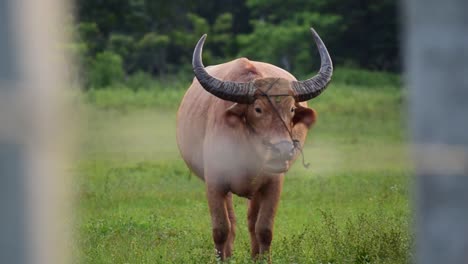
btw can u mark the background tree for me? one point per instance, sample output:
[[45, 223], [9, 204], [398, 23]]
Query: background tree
[[157, 37]]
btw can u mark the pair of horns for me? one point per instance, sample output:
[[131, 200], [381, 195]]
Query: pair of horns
[[243, 92]]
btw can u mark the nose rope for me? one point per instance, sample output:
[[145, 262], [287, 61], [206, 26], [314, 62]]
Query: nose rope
[[296, 142]]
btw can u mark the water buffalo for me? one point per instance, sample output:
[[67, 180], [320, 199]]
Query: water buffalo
[[240, 126]]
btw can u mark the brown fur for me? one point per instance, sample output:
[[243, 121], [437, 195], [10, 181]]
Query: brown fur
[[216, 141]]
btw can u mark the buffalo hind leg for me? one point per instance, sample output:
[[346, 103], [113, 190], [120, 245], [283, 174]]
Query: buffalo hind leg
[[232, 220], [219, 220]]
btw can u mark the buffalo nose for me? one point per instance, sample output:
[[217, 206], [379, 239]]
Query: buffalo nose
[[285, 150]]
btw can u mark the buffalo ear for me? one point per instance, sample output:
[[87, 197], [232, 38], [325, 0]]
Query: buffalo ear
[[304, 115], [235, 113]]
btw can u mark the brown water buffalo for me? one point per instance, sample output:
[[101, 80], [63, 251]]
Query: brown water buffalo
[[240, 126]]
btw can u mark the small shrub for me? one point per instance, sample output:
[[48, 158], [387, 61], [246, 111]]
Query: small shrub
[[140, 81], [359, 77], [121, 44], [106, 70]]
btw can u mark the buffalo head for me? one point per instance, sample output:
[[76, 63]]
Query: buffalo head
[[270, 107]]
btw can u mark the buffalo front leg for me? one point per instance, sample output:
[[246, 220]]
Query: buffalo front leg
[[232, 230], [269, 199], [219, 220], [252, 215]]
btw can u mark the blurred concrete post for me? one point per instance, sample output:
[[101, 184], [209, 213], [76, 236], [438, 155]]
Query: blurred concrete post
[[32, 182], [12, 191], [436, 57]]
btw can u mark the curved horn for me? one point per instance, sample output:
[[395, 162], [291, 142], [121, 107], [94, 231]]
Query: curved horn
[[308, 89], [242, 93]]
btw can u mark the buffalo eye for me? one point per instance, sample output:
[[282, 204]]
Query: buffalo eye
[[258, 110]]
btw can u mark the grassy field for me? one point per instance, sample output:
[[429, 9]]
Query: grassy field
[[138, 203]]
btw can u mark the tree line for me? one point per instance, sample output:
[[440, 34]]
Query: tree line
[[118, 38]]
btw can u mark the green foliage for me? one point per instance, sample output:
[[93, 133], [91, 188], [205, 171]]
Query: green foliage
[[88, 33], [199, 24], [289, 44], [367, 34], [106, 70], [122, 45], [345, 81], [185, 40], [77, 50], [151, 51], [223, 37], [140, 81], [158, 38], [366, 78]]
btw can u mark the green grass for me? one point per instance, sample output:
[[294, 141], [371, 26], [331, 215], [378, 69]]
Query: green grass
[[137, 202]]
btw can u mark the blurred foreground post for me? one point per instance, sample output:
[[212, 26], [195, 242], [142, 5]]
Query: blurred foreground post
[[32, 185], [436, 54]]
